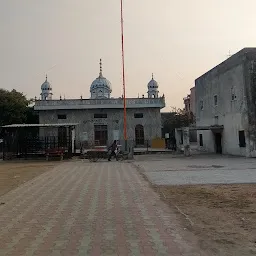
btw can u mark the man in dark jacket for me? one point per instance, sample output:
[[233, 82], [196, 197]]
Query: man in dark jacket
[[113, 148]]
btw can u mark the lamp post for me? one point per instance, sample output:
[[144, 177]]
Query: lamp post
[[123, 69]]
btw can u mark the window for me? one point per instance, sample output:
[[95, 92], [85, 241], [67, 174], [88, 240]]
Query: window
[[201, 140], [216, 120], [215, 98], [138, 115], [201, 105], [242, 142], [100, 115], [62, 116], [233, 95]]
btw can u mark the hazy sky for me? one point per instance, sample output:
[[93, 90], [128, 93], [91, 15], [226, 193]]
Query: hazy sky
[[177, 40]]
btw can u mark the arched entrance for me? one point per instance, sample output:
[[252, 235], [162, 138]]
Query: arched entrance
[[139, 134]]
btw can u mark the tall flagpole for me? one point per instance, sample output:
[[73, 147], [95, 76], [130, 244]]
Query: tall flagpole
[[124, 94]]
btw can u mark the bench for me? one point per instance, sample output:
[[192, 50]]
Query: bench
[[55, 152]]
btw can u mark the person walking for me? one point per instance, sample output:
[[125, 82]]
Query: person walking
[[113, 148]]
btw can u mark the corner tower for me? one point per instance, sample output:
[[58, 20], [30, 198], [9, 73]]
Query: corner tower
[[46, 90], [153, 88]]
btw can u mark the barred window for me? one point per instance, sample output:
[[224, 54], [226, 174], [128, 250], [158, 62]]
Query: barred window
[[100, 115], [62, 116], [138, 115]]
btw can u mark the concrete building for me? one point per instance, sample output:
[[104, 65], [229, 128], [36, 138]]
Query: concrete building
[[226, 106], [100, 118], [190, 107], [193, 100], [190, 102], [186, 101]]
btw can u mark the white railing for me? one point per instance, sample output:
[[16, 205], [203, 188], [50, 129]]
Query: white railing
[[98, 102]]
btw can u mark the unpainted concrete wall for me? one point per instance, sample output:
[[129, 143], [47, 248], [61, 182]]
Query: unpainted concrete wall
[[151, 121], [228, 82]]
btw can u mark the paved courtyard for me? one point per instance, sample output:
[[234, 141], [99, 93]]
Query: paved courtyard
[[83, 208], [197, 169]]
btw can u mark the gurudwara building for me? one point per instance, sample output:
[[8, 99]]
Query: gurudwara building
[[99, 119]]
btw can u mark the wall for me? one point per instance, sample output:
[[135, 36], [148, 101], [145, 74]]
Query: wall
[[225, 80], [151, 121], [250, 92], [193, 100]]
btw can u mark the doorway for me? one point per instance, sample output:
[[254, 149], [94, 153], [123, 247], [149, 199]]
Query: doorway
[[139, 135], [218, 143], [101, 135], [62, 137]]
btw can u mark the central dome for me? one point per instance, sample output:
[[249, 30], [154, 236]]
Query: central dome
[[100, 87], [101, 82]]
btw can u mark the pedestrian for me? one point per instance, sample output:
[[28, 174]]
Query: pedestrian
[[113, 148]]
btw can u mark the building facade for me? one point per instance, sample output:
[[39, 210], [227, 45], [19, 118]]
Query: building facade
[[226, 106], [190, 107], [190, 102], [100, 118]]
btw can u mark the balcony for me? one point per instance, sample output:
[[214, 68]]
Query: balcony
[[99, 103]]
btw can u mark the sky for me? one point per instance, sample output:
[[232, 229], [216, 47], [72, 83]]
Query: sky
[[177, 40]]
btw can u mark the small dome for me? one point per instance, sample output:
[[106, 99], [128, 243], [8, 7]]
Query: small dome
[[153, 83], [46, 85]]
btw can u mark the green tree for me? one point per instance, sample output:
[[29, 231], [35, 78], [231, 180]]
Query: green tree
[[177, 118], [14, 107], [32, 116]]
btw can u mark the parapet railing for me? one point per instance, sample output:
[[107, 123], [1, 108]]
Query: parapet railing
[[130, 101]]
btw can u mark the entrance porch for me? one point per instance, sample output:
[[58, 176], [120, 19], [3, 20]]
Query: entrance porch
[[209, 139]]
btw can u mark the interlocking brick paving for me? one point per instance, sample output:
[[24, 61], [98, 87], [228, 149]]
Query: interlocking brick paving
[[83, 208]]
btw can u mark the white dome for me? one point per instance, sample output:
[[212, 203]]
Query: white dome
[[153, 83], [100, 87], [46, 85], [153, 88], [46, 90], [101, 83]]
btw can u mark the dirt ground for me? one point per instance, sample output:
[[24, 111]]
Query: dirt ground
[[223, 217], [13, 174]]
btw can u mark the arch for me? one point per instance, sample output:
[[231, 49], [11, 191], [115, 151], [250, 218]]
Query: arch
[[139, 134]]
